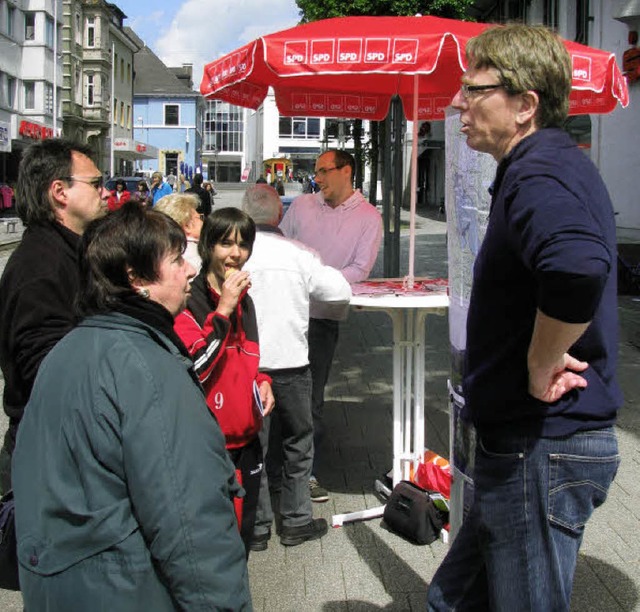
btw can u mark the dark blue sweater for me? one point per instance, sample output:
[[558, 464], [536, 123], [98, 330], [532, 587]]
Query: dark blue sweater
[[550, 244]]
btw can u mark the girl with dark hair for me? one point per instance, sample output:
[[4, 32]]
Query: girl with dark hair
[[118, 196], [220, 331], [123, 487], [142, 194]]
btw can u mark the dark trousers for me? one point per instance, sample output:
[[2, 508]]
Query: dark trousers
[[287, 445], [5, 456], [248, 462], [323, 338]]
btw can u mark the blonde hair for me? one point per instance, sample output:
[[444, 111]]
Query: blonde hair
[[178, 206]]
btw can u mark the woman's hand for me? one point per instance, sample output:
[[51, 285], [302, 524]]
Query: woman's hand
[[231, 290], [266, 395]]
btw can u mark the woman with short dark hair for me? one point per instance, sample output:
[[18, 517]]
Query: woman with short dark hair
[[220, 331], [118, 196], [123, 488]]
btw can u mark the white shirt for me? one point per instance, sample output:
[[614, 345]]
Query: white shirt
[[285, 276], [191, 254]]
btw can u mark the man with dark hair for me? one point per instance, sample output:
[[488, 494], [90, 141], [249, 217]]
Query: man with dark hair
[[542, 335], [205, 198], [59, 191], [346, 231]]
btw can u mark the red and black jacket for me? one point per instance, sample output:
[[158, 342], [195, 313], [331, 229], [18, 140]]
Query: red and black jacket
[[226, 355]]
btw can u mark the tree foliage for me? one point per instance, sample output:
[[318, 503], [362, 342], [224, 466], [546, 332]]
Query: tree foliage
[[312, 10]]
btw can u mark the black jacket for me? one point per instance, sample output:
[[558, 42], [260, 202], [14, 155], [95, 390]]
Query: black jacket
[[37, 294]]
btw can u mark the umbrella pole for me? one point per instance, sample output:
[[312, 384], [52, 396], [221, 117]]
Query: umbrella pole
[[414, 184]]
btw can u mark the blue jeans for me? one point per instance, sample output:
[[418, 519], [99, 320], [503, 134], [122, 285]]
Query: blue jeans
[[287, 443], [517, 548]]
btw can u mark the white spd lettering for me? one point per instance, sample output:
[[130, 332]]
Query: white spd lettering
[[299, 106], [370, 109], [348, 57], [218, 400], [317, 106], [295, 58], [580, 73], [321, 57], [403, 57], [375, 57]]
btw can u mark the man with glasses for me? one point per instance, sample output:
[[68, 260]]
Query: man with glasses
[[346, 231], [59, 191], [540, 365]]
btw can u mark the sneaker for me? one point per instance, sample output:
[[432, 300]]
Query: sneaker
[[292, 536], [317, 493], [260, 542]]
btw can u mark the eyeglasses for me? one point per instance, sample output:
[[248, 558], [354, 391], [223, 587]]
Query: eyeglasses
[[323, 171], [469, 90], [97, 182]]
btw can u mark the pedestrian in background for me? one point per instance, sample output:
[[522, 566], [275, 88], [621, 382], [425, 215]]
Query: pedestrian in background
[[142, 194], [183, 184], [159, 188], [203, 195], [118, 196], [542, 335], [285, 277], [59, 192], [123, 488], [346, 231], [219, 329]]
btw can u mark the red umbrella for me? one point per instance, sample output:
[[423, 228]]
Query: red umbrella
[[352, 66]]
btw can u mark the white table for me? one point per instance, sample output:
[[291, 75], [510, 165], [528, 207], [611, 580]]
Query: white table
[[408, 312]]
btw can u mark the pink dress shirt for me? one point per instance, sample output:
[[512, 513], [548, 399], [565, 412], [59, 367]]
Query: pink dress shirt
[[346, 237]]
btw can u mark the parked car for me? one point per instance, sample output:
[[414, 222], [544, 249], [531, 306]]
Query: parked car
[[131, 182]]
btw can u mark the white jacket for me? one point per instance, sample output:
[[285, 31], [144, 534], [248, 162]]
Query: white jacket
[[285, 277]]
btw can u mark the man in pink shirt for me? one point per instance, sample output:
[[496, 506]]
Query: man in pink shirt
[[346, 231]]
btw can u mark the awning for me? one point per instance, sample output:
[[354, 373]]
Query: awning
[[130, 149]]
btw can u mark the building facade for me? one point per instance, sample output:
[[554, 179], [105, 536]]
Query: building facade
[[98, 83], [167, 115], [30, 78]]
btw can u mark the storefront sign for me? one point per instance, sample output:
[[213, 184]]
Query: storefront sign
[[5, 137], [35, 130], [122, 144]]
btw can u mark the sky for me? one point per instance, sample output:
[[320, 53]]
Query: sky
[[199, 31]]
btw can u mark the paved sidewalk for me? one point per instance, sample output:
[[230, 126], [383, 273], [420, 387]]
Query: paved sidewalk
[[363, 567]]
